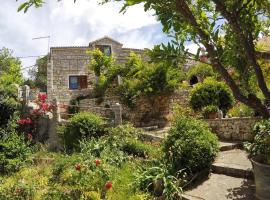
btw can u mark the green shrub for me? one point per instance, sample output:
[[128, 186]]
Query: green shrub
[[14, 152], [260, 147], [136, 148], [159, 181], [8, 105], [83, 125], [201, 71], [211, 92], [190, 145], [240, 110]]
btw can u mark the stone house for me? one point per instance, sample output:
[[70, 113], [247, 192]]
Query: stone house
[[68, 75]]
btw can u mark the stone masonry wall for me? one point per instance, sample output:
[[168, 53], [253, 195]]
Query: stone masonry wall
[[239, 129], [154, 111]]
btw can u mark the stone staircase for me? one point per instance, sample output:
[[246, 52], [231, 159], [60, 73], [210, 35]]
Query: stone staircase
[[231, 174]]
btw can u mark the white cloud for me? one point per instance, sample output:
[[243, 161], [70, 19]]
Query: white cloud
[[192, 48]]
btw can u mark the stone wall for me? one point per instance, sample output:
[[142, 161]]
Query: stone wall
[[153, 111], [239, 129]]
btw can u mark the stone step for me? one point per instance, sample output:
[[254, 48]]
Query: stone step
[[227, 145], [233, 163], [222, 187], [149, 128]]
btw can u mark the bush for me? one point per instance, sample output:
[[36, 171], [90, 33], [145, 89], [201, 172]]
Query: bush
[[8, 105], [83, 125], [240, 110], [190, 145], [201, 71], [211, 92], [14, 152], [260, 147]]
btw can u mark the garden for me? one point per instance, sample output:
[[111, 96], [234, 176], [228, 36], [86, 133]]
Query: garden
[[97, 161]]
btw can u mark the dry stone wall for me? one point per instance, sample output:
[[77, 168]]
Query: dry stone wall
[[235, 129]]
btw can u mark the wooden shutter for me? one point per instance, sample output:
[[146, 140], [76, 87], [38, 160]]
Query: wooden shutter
[[83, 82]]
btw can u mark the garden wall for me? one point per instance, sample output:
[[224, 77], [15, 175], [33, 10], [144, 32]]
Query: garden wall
[[149, 111], [239, 129]]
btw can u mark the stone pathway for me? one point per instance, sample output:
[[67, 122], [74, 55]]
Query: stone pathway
[[231, 176], [221, 187]]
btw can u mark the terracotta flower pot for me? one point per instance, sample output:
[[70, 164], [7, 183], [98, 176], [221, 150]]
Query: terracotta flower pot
[[212, 115], [262, 179]]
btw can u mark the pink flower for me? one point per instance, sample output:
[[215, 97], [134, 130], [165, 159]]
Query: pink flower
[[30, 136]]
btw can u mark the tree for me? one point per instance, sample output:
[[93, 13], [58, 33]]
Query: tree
[[10, 74], [228, 30], [10, 69], [38, 75]]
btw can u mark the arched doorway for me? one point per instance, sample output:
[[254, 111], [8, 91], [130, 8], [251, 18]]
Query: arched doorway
[[193, 80]]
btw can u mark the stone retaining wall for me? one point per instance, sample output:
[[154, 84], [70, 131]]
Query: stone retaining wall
[[236, 129]]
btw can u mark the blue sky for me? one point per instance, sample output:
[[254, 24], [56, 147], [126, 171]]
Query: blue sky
[[70, 24]]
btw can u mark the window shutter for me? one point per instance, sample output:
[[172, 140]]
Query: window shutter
[[83, 82]]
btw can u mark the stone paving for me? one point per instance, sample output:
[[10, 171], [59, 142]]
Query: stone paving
[[222, 187]]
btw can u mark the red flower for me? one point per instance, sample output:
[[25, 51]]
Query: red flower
[[18, 190], [42, 97], [36, 111], [21, 121], [44, 106], [108, 185], [78, 167], [98, 162], [28, 121], [30, 136]]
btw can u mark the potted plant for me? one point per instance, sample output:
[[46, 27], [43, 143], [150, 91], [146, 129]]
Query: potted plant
[[210, 112], [259, 150]]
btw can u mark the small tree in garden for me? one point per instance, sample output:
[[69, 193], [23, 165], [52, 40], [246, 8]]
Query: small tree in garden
[[211, 92]]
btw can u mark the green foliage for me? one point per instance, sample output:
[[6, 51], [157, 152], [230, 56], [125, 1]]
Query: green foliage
[[208, 110], [83, 125], [240, 110], [8, 106], [211, 92], [260, 147], [73, 107], [14, 153], [99, 62], [201, 71], [190, 145], [38, 75], [9, 69], [141, 78], [159, 181]]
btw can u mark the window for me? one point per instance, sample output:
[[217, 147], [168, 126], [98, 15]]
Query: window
[[106, 49], [77, 82]]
